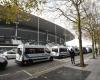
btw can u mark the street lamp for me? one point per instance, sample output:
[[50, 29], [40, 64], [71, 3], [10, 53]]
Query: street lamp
[[60, 41], [38, 31], [55, 34], [47, 36], [16, 32]]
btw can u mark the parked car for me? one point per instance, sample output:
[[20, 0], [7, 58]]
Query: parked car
[[3, 62], [10, 54]]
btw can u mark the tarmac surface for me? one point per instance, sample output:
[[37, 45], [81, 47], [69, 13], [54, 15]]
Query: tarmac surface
[[64, 73], [60, 69], [73, 72]]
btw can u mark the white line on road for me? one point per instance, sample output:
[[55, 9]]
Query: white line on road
[[47, 70], [44, 71], [27, 73], [5, 74], [10, 73]]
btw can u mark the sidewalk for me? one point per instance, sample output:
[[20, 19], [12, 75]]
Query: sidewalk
[[72, 72], [94, 67]]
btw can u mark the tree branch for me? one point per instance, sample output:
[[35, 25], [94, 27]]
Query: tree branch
[[66, 15]]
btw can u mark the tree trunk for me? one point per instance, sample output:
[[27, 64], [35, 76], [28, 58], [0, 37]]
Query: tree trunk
[[93, 50], [98, 42], [99, 46], [80, 39], [95, 42], [95, 47]]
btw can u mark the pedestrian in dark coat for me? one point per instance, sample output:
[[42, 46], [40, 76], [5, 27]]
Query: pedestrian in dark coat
[[96, 51], [72, 55]]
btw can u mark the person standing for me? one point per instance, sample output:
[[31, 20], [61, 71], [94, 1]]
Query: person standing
[[72, 55], [96, 51]]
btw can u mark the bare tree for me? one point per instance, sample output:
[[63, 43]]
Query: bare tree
[[73, 13], [90, 25]]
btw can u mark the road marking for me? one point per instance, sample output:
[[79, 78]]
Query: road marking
[[49, 69], [10, 73], [53, 68], [44, 71], [27, 73], [4, 74]]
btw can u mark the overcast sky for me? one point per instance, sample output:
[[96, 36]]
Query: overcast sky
[[50, 16], [54, 17]]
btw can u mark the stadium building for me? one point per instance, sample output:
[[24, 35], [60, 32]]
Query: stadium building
[[36, 31]]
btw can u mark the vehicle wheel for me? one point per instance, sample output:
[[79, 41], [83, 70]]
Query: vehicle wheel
[[30, 62], [51, 59], [3, 65], [2, 68], [24, 63]]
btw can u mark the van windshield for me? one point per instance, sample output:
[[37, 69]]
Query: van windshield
[[63, 50], [34, 50], [19, 51]]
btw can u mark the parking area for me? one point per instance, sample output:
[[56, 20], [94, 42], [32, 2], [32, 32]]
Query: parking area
[[64, 73], [16, 72], [37, 68]]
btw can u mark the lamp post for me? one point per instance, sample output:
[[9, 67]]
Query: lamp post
[[16, 32], [47, 36], [65, 37], [55, 34], [38, 31], [60, 40]]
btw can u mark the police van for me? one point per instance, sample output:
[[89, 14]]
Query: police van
[[60, 51], [27, 54]]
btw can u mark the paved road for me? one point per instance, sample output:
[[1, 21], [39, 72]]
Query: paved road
[[35, 69], [13, 67]]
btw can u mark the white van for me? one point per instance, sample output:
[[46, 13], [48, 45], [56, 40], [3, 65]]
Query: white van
[[60, 51], [27, 54]]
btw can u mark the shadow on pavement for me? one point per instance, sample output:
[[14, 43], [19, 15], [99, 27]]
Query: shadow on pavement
[[64, 73], [78, 65], [15, 76]]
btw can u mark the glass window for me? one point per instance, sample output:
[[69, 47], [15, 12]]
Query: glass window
[[55, 49], [19, 51], [11, 53], [34, 50], [47, 50], [39, 50], [63, 49], [76, 49]]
